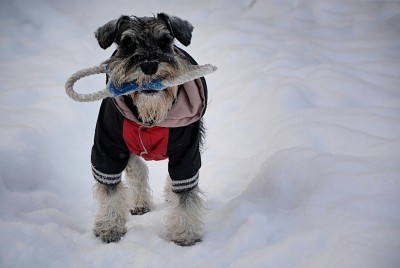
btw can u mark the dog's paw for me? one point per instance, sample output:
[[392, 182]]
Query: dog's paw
[[187, 242], [184, 238], [110, 235], [140, 210]]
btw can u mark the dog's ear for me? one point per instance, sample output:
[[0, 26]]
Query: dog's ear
[[107, 33], [181, 29]]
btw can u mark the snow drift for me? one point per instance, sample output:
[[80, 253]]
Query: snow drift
[[301, 167]]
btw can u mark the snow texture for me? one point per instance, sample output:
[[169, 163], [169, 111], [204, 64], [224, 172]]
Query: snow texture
[[302, 162]]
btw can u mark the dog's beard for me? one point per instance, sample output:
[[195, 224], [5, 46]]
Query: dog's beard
[[153, 107]]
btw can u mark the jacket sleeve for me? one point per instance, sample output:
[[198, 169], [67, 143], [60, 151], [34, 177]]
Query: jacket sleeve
[[109, 152], [184, 157]]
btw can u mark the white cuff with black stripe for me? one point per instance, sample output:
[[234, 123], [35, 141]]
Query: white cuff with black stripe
[[107, 179], [185, 185]]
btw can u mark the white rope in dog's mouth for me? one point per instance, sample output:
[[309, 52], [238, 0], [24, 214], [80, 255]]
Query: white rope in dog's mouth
[[193, 72]]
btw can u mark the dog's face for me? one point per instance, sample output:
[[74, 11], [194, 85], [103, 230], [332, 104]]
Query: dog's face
[[145, 52]]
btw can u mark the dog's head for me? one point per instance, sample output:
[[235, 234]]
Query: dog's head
[[145, 52]]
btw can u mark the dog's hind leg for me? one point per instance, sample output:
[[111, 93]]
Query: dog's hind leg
[[112, 215], [137, 176]]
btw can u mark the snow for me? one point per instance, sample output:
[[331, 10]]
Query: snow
[[302, 163]]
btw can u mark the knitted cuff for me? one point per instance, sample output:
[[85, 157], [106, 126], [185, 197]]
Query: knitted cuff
[[185, 185], [107, 179]]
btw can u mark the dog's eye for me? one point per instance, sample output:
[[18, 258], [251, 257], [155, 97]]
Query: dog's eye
[[166, 40], [165, 43], [126, 42], [126, 46]]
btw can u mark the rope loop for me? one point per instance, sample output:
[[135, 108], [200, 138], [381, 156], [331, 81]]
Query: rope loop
[[193, 72]]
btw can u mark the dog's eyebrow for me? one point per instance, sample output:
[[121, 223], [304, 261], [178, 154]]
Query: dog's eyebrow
[[160, 30], [167, 35], [130, 33]]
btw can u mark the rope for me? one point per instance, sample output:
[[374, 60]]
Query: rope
[[85, 97], [192, 72]]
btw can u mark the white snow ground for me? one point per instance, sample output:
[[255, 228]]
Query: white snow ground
[[302, 167]]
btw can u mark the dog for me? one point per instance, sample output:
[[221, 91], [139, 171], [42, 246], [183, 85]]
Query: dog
[[149, 125]]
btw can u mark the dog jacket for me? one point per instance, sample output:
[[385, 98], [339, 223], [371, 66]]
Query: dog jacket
[[119, 133]]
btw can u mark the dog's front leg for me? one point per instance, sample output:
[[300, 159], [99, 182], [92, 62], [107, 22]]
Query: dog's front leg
[[185, 218], [112, 215]]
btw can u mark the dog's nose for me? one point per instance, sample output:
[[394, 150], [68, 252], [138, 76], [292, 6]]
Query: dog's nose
[[149, 67]]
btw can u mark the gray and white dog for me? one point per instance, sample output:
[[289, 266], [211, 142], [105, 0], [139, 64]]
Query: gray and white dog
[[149, 125]]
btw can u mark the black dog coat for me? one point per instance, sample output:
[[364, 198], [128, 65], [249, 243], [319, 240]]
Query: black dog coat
[[119, 133]]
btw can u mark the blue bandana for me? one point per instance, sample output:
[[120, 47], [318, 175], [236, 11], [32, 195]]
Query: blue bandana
[[129, 87]]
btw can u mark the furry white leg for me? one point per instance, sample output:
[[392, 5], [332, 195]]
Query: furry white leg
[[137, 176], [170, 197], [185, 219], [112, 212]]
